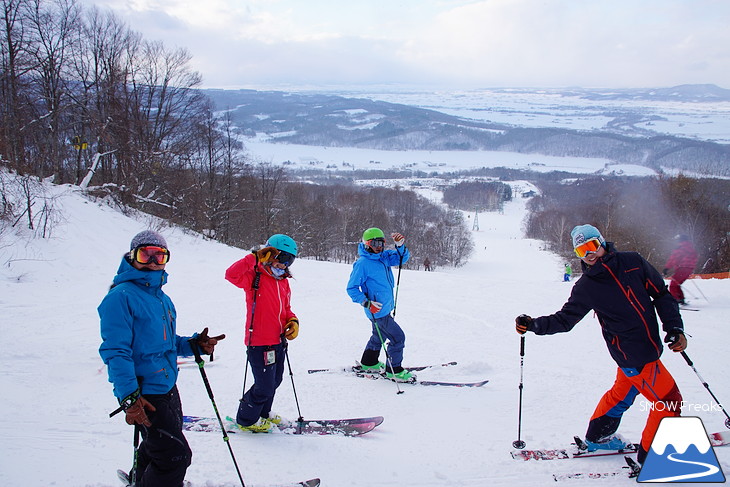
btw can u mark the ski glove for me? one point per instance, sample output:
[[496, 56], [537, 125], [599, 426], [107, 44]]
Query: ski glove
[[676, 340], [523, 324], [267, 254], [206, 343], [665, 272], [373, 306], [292, 329], [398, 239], [134, 406]]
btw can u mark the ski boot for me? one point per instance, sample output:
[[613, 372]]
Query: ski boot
[[401, 375], [612, 442], [263, 425], [369, 369]]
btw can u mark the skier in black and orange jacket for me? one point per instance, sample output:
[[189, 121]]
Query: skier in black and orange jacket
[[626, 293]]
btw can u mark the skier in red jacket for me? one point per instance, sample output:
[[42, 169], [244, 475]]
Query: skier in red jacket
[[682, 261], [270, 322]]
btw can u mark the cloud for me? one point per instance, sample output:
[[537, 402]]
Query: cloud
[[468, 42]]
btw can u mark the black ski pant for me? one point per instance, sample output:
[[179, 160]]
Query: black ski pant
[[164, 455]]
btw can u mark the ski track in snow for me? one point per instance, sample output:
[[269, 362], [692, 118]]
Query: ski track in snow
[[56, 430]]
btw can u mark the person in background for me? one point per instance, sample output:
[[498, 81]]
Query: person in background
[[682, 261], [140, 347], [568, 272], [426, 264], [371, 285], [270, 322], [626, 293]]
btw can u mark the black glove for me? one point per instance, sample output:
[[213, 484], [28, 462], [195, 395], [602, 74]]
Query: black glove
[[665, 272], [523, 324], [207, 344], [676, 339]]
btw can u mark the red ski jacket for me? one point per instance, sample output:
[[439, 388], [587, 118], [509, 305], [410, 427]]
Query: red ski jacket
[[683, 256], [273, 301]]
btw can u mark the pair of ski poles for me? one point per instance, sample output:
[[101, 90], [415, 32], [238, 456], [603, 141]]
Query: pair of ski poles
[[520, 444]]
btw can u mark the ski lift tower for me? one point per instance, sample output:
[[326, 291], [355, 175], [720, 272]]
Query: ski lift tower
[[475, 225]]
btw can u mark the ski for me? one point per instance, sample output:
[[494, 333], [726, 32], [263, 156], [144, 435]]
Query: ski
[[427, 382], [721, 438], [411, 369], [124, 477], [631, 470], [342, 427], [588, 475]]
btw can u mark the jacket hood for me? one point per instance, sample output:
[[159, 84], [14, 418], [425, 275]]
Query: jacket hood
[[147, 279]]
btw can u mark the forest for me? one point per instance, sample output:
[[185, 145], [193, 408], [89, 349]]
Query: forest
[[638, 214]]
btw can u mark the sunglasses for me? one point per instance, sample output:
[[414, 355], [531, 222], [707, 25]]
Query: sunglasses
[[285, 258], [151, 254], [376, 243], [589, 247]]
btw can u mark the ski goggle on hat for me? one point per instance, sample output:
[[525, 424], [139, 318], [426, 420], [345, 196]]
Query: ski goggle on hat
[[589, 247], [149, 254]]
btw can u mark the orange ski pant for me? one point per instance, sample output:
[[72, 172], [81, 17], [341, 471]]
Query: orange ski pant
[[655, 383]]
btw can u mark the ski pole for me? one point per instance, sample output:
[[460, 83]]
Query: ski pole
[[135, 458], [700, 290], [300, 419], [201, 364], [518, 443], [707, 386], [385, 349], [397, 283], [255, 287]]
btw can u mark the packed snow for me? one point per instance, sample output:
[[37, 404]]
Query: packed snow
[[56, 398]]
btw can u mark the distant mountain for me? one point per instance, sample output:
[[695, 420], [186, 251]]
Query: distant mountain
[[336, 121]]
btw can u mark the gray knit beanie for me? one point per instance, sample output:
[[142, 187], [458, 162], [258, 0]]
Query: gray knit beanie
[[147, 237]]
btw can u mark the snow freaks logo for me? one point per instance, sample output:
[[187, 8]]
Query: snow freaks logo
[[681, 452]]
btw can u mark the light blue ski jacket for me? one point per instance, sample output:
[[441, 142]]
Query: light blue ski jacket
[[372, 278], [138, 333]]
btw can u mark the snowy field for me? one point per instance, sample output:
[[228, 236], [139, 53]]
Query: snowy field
[[56, 397], [261, 149]]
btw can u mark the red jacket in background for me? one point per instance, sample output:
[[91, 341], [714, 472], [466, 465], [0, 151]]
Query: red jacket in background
[[683, 256], [273, 309]]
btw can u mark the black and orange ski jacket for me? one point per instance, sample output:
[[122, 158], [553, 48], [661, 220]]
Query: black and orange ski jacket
[[627, 294]]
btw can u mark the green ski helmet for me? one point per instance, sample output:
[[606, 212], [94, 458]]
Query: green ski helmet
[[283, 242], [372, 233]]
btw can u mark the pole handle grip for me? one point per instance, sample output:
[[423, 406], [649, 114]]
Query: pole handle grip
[[522, 346]]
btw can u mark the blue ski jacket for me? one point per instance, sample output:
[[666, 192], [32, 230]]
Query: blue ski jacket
[[372, 278], [626, 293], [138, 333]]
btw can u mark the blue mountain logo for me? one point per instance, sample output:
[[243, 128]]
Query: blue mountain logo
[[681, 452]]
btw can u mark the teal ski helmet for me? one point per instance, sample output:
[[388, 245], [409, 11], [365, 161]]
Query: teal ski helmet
[[283, 242]]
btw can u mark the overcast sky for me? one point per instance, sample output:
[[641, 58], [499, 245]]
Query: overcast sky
[[456, 44]]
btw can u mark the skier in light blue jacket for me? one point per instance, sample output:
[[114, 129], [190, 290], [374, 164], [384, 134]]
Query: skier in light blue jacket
[[140, 348], [371, 285]]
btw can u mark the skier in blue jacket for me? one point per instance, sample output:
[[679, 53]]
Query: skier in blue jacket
[[140, 348], [371, 285]]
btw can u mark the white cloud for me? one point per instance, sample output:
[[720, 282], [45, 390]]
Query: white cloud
[[467, 42]]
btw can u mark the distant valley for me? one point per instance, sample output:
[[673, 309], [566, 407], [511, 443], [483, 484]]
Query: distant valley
[[640, 127]]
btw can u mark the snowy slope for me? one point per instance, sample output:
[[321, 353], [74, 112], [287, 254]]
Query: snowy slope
[[55, 428]]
